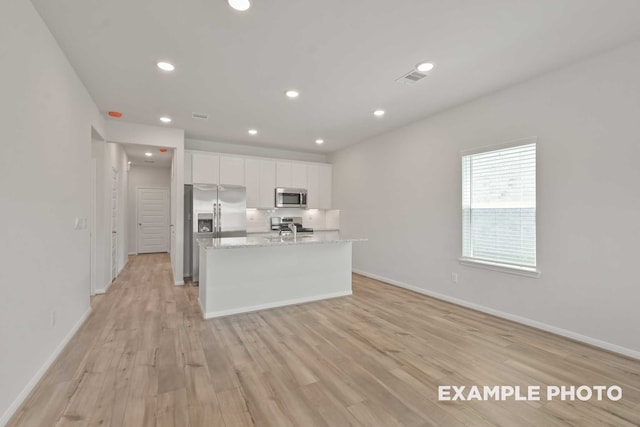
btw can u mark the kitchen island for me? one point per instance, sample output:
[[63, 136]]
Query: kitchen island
[[243, 274]]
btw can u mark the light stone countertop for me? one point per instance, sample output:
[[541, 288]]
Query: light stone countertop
[[315, 230], [272, 239]]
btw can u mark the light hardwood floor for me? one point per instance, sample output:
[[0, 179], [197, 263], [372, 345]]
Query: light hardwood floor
[[146, 358]]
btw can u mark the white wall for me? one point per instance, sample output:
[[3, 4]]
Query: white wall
[[402, 190], [46, 116], [250, 150], [142, 176]]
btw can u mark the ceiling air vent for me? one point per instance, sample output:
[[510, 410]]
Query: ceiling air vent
[[149, 161], [411, 77], [200, 116]]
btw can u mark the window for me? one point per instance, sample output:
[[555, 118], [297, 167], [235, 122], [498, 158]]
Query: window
[[499, 207]]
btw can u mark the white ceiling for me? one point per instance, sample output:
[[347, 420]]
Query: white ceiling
[[342, 55], [137, 157]]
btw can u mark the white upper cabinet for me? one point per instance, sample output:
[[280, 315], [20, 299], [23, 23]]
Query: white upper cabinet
[[326, 185], [299, 177], [319, 186], [252, 181], [260, 179], [205, 168], [232, 170], [261, 176], [291, 174], [267, 184], [283, 174]]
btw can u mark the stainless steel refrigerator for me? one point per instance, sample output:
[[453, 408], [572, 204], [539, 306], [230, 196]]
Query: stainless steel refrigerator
[[211, 211]]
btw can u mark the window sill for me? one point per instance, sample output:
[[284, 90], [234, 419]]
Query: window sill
[[504, 268]]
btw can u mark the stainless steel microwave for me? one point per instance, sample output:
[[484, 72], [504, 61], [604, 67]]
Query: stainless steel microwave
[[291, 198]]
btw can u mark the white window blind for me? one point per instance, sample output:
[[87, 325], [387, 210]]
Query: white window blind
[[499, 206]]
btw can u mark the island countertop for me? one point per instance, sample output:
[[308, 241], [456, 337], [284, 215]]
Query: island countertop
[[269, 240]]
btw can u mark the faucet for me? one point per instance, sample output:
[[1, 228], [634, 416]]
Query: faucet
[[288, 229], [293, 228]]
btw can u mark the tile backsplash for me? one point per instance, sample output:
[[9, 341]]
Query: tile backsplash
[[259, 220]]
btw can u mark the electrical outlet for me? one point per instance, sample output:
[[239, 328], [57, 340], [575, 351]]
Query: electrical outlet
[[53, 318], [454, 277]]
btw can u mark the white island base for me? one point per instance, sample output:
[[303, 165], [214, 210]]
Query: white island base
[[250, 278]]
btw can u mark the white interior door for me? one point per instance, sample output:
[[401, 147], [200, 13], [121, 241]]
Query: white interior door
[[152, 206], [114, 225]]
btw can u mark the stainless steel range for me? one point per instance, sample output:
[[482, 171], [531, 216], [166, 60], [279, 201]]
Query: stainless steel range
[[282, 224]]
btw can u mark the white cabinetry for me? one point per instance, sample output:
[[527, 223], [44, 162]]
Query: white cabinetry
[[232, 170], [319, 186], [205, 168], [267, 183], [261, 176], [252, 180], [283, 174], [291, 174], [260, 179], [299, 177]]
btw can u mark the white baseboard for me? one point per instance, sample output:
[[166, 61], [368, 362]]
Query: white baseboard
[[133, 253], [180, 283], [103, 290], [43, 369], [515, 318], [259, 307]]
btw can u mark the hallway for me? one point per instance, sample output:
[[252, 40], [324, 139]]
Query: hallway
[[146, 358]]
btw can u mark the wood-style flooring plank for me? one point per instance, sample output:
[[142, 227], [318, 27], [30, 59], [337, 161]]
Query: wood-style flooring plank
[[145, 357]]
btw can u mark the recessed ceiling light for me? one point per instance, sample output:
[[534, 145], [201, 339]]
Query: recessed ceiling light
[[253, 132], [319, 141], [148, 154], [240, 5], [292, 93], [165, 66], [378, 113], [423, 67], [165, 119]]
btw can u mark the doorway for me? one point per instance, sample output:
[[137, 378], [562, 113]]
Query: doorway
[[152, 213]]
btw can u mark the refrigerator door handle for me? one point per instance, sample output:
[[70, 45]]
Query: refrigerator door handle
[[219, 219]]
